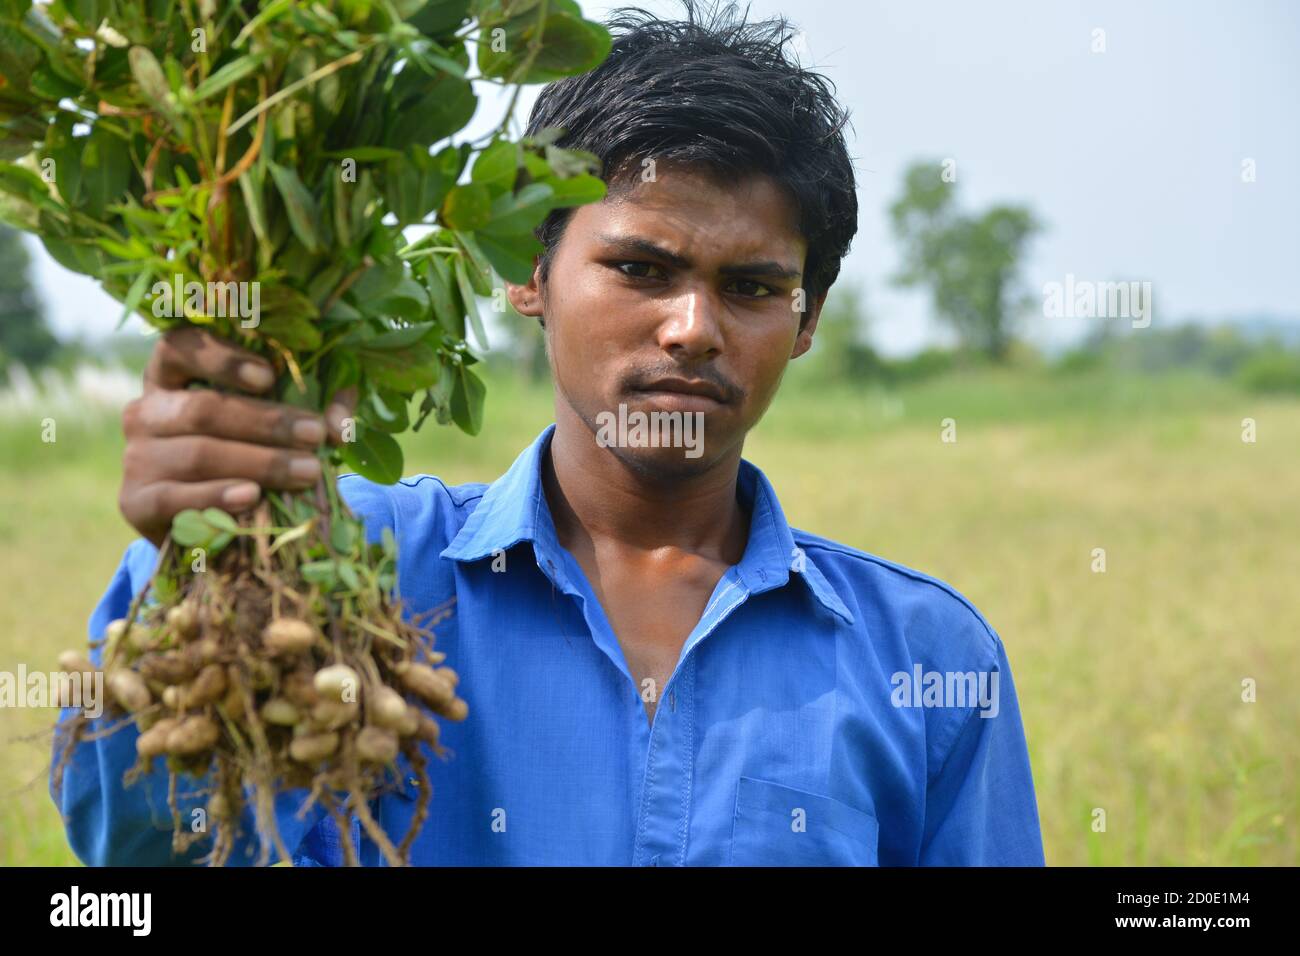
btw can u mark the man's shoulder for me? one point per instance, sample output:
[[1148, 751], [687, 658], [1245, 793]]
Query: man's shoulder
[[927, 609]]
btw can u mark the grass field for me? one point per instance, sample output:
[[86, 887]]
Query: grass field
[[1130, 681]]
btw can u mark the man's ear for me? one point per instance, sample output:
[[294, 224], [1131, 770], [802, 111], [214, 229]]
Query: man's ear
[[803, 341], [527, 299]]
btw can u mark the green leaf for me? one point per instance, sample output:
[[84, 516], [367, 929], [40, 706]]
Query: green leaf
[[61, 147], [309, 399], [342, 209], [49, 85], [190, 530], [567, 163], [467, 207], [377, 282], [26, 185], [422, 109], [288, 316], [497, 166], [343, 370], [576, 191], [19, 56], [570, 45], [269, 12], [348, 572], [480, 270], [467, 399], [220, 520], [374, 455], [400, 338], [431, 62], [340, 311], [440, 17], [299, 203], [366, 154], [390, 411], [417, 184], [136, 294], [470, 301], [157, 92], [325, 282], [322, 573], [133, 250], [232, 72], [105, 170], [513, 257], [343, 536], [522, 212], [79, 256], [403, 370], [437, 280]]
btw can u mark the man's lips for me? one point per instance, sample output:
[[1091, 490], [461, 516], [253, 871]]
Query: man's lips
[[682, 386]]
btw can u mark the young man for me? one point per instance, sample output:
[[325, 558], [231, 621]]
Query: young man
[[660, 671]]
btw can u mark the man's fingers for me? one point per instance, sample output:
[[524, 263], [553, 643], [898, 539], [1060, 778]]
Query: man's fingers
[[197, 458], [164, 413], [188, 354], [340, 410], [151, 507]]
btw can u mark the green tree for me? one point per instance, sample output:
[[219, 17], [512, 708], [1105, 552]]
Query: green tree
[[24, 335], [969, 262]]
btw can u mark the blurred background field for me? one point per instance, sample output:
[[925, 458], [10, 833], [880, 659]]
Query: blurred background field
[[1130, 680]]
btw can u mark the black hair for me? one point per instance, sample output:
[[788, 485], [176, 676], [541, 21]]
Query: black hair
[[720, 93]]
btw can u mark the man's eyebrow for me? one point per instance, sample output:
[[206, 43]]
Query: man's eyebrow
[[630, 245]]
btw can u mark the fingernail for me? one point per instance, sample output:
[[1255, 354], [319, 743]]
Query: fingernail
[[304, 468], [309, 431], [241, 495], [336, 415], [256, 376]]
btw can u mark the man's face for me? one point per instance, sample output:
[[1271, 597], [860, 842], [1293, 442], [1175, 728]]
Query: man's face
[[682, 278]]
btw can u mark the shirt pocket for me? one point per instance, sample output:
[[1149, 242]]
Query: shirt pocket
[[776, 825]]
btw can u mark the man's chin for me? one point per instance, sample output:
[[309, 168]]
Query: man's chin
[[663, 463]]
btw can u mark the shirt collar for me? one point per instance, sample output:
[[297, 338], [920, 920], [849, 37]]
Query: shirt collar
[[514, 509]]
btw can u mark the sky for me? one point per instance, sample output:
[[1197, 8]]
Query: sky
[[1132, 156]]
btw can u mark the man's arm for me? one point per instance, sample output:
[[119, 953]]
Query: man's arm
[[980, 804]]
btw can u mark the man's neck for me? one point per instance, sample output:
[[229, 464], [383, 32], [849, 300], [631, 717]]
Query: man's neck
[[595, 498]]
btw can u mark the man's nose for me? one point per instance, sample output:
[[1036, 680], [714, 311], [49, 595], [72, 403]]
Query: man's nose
[[692, 327]]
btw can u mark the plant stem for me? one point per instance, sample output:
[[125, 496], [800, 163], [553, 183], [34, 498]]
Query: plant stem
[[331, 67]]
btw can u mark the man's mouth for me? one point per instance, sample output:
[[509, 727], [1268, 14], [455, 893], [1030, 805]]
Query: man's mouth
[[681, 391]]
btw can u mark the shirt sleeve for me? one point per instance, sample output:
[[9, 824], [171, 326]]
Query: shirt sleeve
[[980, 804], [111, 824]]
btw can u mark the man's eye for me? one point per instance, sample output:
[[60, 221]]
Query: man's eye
[[623, 268], [748, 286]]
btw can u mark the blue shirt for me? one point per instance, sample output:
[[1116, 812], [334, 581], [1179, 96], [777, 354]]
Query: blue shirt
[[815, 715]]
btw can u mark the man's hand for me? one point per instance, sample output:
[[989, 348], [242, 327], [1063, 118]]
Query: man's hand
[[201, 448]]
